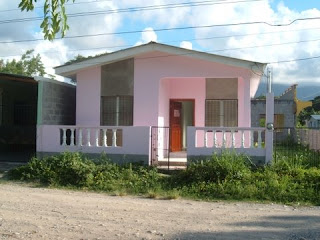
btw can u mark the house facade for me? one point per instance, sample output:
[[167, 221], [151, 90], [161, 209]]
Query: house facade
[[286, 108], [195, 103], [314, 121]]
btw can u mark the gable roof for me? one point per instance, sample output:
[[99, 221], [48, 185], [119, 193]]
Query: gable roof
[[69, 69]]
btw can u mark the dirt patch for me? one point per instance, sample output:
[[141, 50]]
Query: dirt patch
[[40, 213]]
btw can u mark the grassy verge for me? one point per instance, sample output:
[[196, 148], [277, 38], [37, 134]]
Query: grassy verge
[[228, 177]]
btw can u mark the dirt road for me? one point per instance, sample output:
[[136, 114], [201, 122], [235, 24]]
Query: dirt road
[[39, 213]]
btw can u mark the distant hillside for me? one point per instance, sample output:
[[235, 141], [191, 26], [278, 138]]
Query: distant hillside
[[305, 91]]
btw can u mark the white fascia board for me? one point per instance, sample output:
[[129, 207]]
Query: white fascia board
[[102, 60], [68, 70]]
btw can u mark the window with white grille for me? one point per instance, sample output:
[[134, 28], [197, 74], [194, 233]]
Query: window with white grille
[[117, 110], [221, 113]]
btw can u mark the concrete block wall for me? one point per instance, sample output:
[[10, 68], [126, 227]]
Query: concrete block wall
[[56, 103], [285, 107]]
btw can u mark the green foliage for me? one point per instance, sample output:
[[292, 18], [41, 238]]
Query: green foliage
[[226, 176], [72, 169], [305, 115], [28, 65], [54, 19], [220, 168], [308, 111]]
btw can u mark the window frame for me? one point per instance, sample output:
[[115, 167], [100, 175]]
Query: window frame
[[222, 114], [117, 112]]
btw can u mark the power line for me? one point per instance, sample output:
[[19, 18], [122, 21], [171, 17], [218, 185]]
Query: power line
[[311, 95], [295, 60], [67, 4], [195, 39], [191, 53], [135, 9], [161, 30]]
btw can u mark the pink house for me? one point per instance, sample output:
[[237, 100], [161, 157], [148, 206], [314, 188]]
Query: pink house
[[155, 101]]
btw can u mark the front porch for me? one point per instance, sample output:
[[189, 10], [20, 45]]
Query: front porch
[[140, 144]]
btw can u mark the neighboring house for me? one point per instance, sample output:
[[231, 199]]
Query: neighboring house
[[156, 101], [314, 121], [18, 116], [19, 112], [286, 108]]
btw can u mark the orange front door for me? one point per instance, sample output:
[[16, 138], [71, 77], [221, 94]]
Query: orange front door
[[175, 126]]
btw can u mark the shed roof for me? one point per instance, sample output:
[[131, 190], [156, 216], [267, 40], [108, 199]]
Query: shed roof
[[17, 77]]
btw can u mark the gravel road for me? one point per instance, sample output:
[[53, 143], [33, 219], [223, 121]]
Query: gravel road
[[39, 213]]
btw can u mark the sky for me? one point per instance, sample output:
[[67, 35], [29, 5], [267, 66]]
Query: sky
[[111, 20]]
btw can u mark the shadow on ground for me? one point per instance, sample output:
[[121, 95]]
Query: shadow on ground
[[272, 227]]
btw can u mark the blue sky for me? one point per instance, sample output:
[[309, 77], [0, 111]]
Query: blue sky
[[299, 5], [258, 42]]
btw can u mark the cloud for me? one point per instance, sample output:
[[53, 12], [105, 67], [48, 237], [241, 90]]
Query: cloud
[[256, 42], [186, 44], [147, 35], [261, 42], [58, 52]]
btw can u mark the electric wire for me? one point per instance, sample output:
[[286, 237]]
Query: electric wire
[[134, 9], [159, 30], [212, 51]]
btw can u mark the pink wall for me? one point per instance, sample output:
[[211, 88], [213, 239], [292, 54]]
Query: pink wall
[[152, 76], [182, 88], [88, 97], [156, 80]]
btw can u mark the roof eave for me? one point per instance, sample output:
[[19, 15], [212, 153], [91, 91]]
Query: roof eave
[[67, 70]]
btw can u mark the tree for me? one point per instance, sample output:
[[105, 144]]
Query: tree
[[316, 103], [54, 19], [28, 65]]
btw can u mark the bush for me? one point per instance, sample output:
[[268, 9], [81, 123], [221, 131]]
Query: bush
[[72, 169], [226, 176], [220, 168]]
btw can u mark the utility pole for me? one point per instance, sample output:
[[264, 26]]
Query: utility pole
[[269, 118]]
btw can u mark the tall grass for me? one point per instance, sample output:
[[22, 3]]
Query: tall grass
[[226, 176]]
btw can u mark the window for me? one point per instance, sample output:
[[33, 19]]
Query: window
[[278, 121], [117, 111], [117, 93], [221, 113]]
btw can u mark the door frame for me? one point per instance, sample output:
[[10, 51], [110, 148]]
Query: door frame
[[181, 100]]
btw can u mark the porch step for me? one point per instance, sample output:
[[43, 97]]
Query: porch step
[[173, 162]]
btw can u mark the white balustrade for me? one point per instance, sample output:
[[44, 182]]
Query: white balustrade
[[114, 137], [242, 138], [228, 137], [105, 138], [69, 138], [205, 138], [224, 139], [88, 138], [80, 138], [64, 137], [233, 139], [97, 137], [72, 137]]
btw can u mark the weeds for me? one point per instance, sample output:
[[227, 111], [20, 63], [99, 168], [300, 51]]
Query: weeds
[[227, 176]]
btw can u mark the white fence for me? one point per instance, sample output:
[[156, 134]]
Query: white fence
[[111, 140], [204, 141]]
